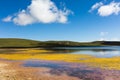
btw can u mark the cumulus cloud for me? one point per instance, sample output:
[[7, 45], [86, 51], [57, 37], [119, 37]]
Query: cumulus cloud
[[41, 11], [107, 9], [7, 19], [23, 18], [112, 8]]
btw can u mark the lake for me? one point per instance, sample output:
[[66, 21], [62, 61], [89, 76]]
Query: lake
[[98, 51], [103, 51]]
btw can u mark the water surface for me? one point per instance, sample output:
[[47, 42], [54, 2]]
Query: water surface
[[103, 51]]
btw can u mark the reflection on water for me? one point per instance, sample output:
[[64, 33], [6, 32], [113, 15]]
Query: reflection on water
[[40, 63], [109, 51], [103, 51]]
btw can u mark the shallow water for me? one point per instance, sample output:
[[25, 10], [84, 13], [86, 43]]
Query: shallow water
[[73, 69], [39, 63], [58, 68]]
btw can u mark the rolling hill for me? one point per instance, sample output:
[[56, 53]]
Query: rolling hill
[[25, 43], [12, 42]]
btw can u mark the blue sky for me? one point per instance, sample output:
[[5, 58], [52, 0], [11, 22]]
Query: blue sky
[[74, 20]]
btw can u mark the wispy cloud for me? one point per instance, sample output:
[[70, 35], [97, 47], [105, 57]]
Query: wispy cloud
[[40, 11], [103, 33], [104, 37], [95, 6], [7, 19], [107, 9], [115, 39]]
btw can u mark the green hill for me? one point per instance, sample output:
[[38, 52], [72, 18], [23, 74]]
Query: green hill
[[25, 43], [11, 42]]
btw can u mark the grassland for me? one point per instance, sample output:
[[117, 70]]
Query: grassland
[[25, 43], [17, 43], [104, 63]]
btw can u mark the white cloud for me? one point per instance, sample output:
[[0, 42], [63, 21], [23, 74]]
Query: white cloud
[[104, 37], [112, 8], [114, 39], [23, 19], [95, 6], [7, 19], [108, 9], [41, 11], [109, 39]]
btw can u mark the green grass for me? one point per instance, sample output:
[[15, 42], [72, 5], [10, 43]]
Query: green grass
[[11, 42]]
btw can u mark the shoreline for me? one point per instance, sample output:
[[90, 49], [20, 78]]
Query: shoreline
[[52, 47]]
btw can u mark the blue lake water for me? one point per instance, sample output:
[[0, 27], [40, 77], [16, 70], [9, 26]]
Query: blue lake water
[[103, 51], [98, 51]]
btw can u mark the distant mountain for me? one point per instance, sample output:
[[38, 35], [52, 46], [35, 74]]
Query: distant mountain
[[25, 43]]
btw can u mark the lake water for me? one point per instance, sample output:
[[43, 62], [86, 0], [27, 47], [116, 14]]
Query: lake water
[[100, 51], [103, 51]]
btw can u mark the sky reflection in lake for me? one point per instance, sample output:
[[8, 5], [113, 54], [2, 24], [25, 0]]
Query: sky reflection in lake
[[109, 51]]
